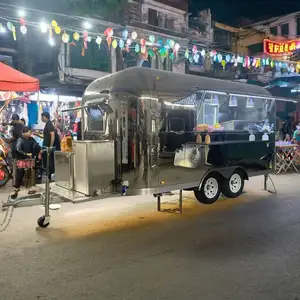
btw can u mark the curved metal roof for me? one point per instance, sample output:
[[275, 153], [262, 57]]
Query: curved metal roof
[[169, 86]]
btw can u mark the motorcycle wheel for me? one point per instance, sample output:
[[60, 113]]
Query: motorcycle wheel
[[4, 176]]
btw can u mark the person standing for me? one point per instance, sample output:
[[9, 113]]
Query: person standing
[[26, 148], [16, 132], [50, 140]]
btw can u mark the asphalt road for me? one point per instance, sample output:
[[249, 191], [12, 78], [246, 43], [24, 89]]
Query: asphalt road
[[248, 248]]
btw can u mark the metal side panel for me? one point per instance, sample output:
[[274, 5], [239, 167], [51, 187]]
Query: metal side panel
[[81, 177], [64, 175]]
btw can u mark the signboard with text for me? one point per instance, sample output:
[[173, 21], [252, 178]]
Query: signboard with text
[[275, 48]]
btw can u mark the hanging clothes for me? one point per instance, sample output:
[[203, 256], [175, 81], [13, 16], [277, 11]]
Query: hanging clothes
[[33, 113]]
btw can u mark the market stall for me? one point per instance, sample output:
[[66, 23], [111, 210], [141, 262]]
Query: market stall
[[55, 104], [12, 82]]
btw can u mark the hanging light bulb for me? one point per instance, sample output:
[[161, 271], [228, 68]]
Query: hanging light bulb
[[233, 101], [21, 13], [43, 27], [87, 25], [51, 42]]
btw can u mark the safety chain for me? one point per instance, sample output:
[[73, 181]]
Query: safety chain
[[7, 219]]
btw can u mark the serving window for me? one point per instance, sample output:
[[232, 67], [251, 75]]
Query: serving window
[[95, 120], [235, 112]]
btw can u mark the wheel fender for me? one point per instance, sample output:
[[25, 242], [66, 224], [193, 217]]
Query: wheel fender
[[210, 172], [227, 172], [246, 177]]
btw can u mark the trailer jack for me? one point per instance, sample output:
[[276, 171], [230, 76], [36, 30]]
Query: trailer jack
[[268, 178], [177, 210]]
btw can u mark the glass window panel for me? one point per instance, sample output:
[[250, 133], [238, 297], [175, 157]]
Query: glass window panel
[[236, 112], [95, 119]]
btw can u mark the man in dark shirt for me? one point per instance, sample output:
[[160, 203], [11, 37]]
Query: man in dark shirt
[[26, 148], [16, 132], [50, 140]]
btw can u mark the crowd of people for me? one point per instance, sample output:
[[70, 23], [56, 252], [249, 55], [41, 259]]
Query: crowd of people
[[289, 131], [24, 147]]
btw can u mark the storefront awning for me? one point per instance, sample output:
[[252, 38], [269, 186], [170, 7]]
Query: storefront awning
[[13, 80]]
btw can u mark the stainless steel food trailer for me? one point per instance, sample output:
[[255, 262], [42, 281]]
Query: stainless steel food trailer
[[150, 132]]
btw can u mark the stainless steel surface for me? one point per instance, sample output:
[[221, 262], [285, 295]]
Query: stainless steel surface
[[168, 86], [191, 156], [94, 165], [145, 143], [64, 166], [76, 197]]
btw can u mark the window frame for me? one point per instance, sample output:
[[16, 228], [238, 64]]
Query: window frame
[[275, 33], [283, 26]]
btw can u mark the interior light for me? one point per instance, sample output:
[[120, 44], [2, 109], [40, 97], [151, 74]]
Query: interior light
[[215, 100], [51, 42], [250, 103], [21, 13], [233, 101], [87, 25], [43, 27]]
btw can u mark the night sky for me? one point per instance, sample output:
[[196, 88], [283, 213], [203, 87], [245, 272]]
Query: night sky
[[229, 10]]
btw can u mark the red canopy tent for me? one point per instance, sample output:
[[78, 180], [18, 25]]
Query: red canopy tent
[[13, 80]]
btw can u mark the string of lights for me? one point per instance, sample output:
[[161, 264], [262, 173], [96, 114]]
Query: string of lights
[[74, 30]]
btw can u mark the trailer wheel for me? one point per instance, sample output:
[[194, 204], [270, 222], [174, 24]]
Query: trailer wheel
[[210, 189], [234, 186]]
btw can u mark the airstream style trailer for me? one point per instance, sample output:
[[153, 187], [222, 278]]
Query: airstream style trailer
[[150, 132]]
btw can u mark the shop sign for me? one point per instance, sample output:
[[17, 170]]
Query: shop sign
[[280, 48]]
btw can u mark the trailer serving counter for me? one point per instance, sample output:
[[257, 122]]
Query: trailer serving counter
[[89, 169]]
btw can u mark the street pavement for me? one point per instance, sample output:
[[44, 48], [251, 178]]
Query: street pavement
[[121, 248]]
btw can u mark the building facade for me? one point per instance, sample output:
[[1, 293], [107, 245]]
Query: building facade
[[164, 19], [250, 40]]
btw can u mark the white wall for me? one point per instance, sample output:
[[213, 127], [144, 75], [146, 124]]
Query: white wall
[[291, 19], [64, 71], [178, 15]]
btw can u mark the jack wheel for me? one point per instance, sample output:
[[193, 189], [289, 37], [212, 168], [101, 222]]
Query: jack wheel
[[41, 221]]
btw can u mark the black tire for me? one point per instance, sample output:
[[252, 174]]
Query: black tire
[[41, 221], [210, 189], [6, 178], [233, 186]]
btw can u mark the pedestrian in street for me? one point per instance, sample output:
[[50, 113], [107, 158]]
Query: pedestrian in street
[[26, 148], [23, 121]]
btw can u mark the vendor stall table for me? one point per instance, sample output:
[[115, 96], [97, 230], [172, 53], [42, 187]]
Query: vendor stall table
[[287, 158]]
